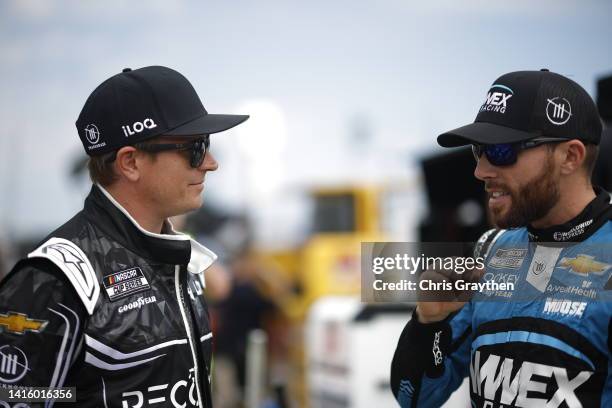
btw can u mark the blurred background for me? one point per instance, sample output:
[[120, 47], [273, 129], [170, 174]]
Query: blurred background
[[346, 99]]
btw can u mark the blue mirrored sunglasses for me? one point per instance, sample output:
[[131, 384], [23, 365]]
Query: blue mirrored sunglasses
[[506, 154]]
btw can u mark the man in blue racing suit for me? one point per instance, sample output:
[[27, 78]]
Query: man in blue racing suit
[[547, 342]]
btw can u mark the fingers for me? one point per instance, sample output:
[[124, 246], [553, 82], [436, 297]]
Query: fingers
[[429, 312], [439, 295], [474, 275]]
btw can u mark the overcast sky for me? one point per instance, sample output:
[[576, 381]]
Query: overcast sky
[[338, 90]]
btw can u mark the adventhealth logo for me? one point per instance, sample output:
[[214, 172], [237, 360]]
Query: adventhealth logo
[[497, 99]]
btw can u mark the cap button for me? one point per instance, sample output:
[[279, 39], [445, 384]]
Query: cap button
[[126, 69], [545, 70]]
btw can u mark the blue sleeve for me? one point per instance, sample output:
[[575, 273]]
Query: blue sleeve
[[431, 360]]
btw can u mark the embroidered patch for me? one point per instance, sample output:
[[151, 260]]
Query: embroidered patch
[[124, 283], [584, 264], [137, 304], [508, 258], [14, 364], [19, 323], [542, 266]]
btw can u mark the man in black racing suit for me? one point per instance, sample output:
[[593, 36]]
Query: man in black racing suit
[[111, 302], [546, 343]]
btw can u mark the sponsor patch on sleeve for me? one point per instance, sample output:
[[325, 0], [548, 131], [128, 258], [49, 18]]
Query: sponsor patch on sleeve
[[14, 365], [19, 323], [124, 283]]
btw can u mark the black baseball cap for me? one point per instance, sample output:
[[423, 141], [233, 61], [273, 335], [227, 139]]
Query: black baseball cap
[[143, 103], [526, 104]]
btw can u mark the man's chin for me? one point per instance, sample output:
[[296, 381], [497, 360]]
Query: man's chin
[[196, 203], [497, 223], [501, 213], [189, 205], [506, 222], [497, 214], [501, 218]]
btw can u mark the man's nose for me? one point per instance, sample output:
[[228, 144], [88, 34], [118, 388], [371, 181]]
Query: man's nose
[[484, 169], [209, 163]]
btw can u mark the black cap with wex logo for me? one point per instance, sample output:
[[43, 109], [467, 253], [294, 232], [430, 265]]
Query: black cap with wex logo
[[524, 105]]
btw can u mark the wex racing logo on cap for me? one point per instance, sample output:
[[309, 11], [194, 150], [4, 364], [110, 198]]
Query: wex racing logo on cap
[[497, 99]]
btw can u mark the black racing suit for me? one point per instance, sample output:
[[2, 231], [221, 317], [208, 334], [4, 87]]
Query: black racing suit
[[544, 344], [111, 309]]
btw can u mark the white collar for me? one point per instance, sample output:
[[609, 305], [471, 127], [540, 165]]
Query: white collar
[[201, 257]]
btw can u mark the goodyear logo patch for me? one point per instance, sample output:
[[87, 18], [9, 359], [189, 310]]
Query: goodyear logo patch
[[124, 283]]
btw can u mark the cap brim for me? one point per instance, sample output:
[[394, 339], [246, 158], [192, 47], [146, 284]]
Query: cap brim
[[482, 133], [206, 124]]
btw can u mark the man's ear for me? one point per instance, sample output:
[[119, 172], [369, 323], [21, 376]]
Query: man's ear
[[574, 153], [126, 163]]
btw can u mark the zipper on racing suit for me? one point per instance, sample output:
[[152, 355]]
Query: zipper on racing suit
[[190, 330]]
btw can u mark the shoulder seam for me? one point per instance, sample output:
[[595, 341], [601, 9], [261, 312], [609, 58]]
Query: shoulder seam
[[67, 256]]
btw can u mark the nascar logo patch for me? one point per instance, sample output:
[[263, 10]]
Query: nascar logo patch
[[123, 283]]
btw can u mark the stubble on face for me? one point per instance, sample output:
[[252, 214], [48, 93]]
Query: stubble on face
[[166, 187], [531, 202]]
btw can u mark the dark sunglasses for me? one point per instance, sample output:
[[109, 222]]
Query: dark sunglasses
[[506, 154], [197, 149]]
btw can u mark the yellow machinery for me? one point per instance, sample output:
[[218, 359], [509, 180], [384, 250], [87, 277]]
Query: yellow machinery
[[328, 263]]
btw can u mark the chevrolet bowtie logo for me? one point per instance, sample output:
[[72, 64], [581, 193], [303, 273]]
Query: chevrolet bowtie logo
[[19, 323], [584, 264]]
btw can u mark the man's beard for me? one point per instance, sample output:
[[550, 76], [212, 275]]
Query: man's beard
[[533, 200]]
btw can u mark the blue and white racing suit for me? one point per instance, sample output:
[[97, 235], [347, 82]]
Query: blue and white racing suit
[[547, 343]]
